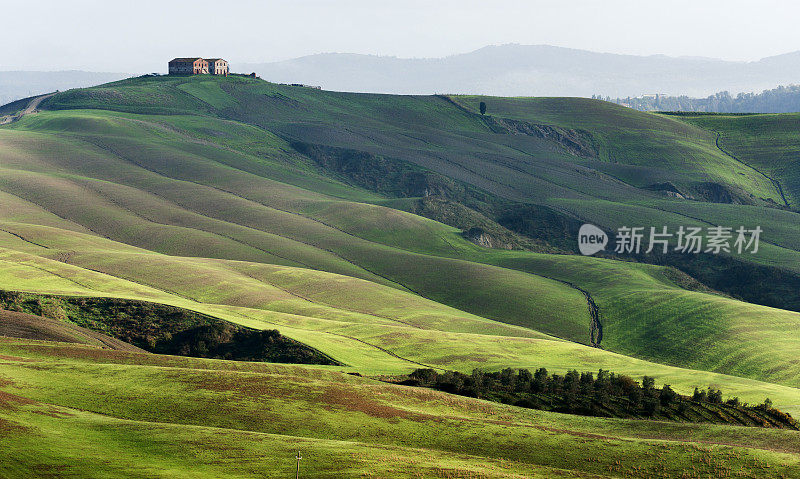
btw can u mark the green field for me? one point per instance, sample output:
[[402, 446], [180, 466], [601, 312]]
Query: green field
[[192, 417], [277, 207]]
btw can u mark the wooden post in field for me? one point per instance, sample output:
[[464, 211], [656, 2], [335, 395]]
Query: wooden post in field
[[297, 474]]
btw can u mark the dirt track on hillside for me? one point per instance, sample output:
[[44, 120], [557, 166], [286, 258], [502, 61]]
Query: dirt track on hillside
[[31, 108]]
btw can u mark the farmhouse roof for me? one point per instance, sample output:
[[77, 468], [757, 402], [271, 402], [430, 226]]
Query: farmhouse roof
[[186, 59]]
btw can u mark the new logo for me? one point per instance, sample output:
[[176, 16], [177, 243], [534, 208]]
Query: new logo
[[591, 239]]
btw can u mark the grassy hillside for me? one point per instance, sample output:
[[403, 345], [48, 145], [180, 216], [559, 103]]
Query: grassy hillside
[[153, 175], [635, 147], [147, 180], [191, 415], [285, 208], [624, 171], [765, 142], [556, 308], [436, 131], [386, 333]]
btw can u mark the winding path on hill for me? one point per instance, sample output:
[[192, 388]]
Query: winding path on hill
[[595, 326], [31, 108], [774, 182]]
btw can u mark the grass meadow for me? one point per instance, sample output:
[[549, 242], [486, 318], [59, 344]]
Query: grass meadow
[[192, 192]]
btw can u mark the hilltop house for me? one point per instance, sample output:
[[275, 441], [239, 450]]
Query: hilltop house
[[198, 66], [188, 66], [217, 66]]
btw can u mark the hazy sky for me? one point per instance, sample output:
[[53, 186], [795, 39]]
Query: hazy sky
[[142, 35]]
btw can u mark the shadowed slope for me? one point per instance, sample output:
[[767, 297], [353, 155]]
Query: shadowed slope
[[29, 326]]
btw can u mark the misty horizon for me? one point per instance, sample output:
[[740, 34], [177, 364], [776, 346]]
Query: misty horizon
[[510, 69], [87, 34], [162, 68]]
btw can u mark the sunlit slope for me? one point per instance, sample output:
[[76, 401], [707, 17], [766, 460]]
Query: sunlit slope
[[189, 183], [188, 410], [643, 311], [156, 196], [393, 335], [770, 143], [639, 148], [634, 152], [74, 264], [132, 179], [45, 437], [646, 314]]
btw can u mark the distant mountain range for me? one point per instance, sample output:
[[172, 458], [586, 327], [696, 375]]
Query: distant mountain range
[[505, 70], [21, 84], [533, 70]]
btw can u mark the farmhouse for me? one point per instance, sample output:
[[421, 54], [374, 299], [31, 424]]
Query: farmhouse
[[198, 66], [188, 66], [217, 66]]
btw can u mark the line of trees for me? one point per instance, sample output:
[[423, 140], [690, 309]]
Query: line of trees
[[605, 394], [573, 392], [783, 99]]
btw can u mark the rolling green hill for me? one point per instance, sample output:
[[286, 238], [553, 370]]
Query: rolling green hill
[[574, 159], [162, 192], [194, 418], [288, 208]]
